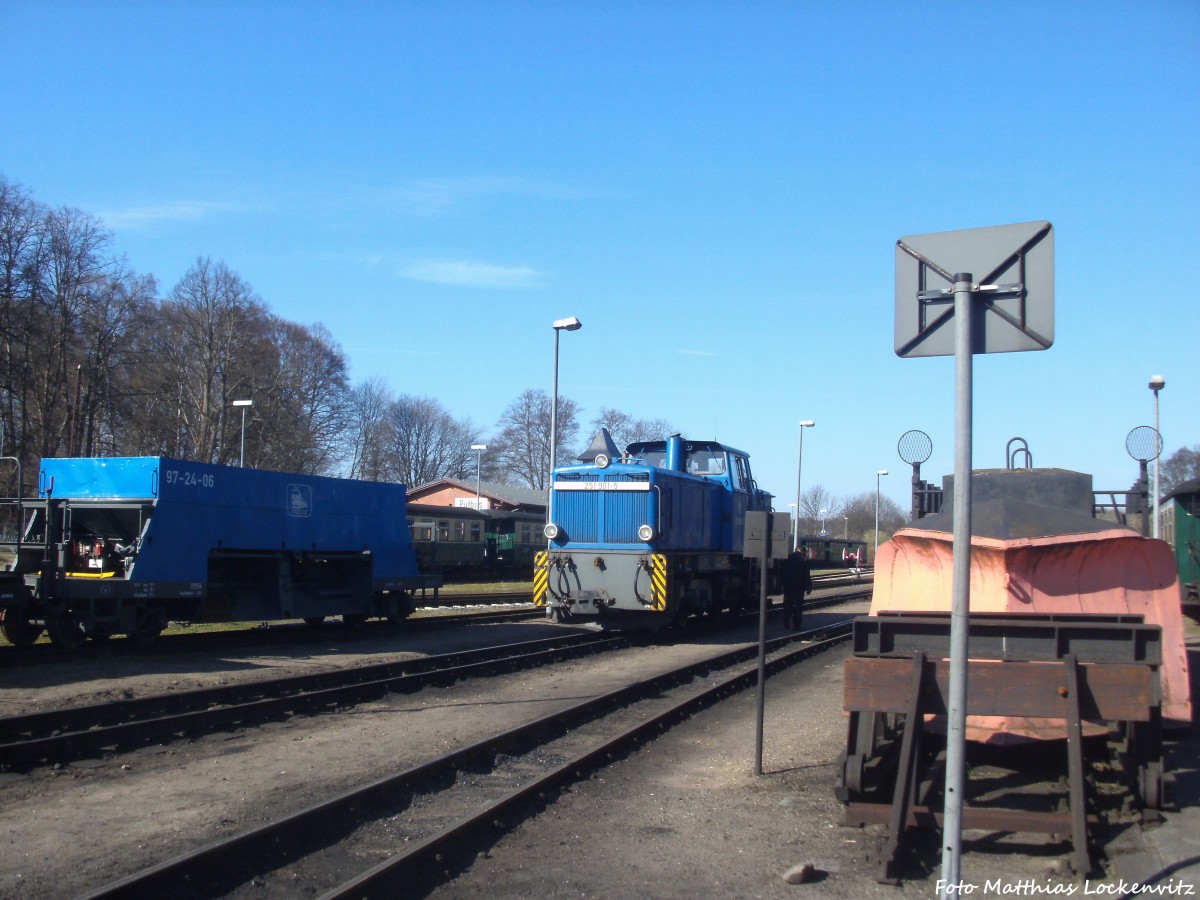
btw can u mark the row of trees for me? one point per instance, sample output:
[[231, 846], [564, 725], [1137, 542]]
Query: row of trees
[[94, 362], [847, 517]]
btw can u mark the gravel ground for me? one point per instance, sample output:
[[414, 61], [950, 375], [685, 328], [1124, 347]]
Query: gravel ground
[[683, 817], [687, 817]]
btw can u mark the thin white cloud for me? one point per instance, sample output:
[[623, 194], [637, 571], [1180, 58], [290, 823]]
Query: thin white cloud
[[440, 196], [468, 273], [137, 217]]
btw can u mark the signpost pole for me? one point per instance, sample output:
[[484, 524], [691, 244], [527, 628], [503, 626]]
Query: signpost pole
[[1015, 299], [763, 557], [961, 602]]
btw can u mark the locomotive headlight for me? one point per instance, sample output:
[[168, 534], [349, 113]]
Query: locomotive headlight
[[646, 533], [550, 531], [602, 460]]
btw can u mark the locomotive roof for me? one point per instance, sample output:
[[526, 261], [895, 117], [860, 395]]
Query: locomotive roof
[[640, 446]]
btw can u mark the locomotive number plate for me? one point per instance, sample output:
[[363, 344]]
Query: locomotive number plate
[[601, 486]]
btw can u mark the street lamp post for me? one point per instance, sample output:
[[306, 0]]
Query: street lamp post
[[807, 423], [878, 474], [478, 448], [568, 324], [243, 404], [1157, 383]]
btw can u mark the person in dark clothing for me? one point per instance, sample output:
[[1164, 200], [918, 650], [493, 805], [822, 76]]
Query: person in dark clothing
[[796, 583]]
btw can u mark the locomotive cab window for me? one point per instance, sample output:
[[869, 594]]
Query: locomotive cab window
[[656, 458], [706, 462]]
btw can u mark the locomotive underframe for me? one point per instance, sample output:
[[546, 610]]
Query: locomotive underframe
[[641, 584]]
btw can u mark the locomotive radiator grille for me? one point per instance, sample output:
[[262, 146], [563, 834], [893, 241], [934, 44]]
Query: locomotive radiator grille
[[602, 517]]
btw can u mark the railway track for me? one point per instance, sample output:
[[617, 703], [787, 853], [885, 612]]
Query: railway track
[[71, 733], [61, 735], [478, 608], [504, 778]]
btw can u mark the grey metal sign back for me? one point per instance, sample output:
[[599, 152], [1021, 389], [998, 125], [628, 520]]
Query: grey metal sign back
[[1011, 268]]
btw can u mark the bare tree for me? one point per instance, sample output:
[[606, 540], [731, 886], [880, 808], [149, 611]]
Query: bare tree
[[812, 501], [625, 429], [70, 269], [300, 392], [423, 442], [367, 407], [860, 510], [218, 320], [522, 447], [20, 244], [1182, 465], [99, 424]]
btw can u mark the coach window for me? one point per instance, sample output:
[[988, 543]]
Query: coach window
[[460, 530], [476, 532], [443, 530]]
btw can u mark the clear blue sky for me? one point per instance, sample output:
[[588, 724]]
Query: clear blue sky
[[715, 189]]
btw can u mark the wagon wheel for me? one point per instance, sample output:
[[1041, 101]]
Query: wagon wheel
[[679, 616], [148, 625], [354, 620], [19, 628], [399, 607], [66, 629], [314, 621]]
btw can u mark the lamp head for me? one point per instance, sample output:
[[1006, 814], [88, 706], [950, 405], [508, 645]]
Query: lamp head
[[1157, 383], [570, 324]]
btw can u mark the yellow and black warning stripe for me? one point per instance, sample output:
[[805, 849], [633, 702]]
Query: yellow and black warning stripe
[[541, 577], [658, 582]]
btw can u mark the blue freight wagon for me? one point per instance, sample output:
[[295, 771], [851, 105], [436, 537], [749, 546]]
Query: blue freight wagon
[[126, 544]]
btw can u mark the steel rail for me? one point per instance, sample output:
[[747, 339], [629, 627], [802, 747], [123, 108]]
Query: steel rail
[[69, 733], [222, 865], [74, 732]]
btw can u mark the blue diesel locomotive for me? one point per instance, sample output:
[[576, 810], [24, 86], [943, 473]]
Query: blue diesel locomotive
[[651, 536], [123, 545]]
